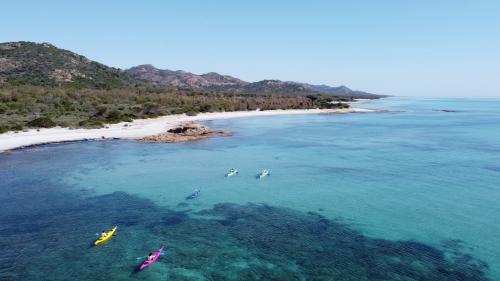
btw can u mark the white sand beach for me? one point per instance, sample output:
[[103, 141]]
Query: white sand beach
[[140, 128]]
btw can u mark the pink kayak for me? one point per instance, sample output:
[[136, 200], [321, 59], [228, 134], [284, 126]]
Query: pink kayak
[[147, 263]]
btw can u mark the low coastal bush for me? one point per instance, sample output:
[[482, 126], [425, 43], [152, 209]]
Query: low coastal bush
[[114, 116], [13, 128], [91, 123], [3, 108], [17, 127], [42, 122]]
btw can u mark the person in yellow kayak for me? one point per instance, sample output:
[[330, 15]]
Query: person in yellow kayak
[[103, 234], [150, 256]]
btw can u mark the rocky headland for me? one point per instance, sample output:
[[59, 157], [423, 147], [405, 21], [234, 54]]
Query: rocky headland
[[184, 132]]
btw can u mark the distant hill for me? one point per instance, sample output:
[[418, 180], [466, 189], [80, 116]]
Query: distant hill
[[182, 79], [274, 86], [216, 82], [340, 91], [46, 65], [28, 63]]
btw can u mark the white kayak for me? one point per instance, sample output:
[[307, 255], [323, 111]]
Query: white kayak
[[232, 172], [264, 173]]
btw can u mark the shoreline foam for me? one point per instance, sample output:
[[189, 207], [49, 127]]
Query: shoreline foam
[[140, 128]]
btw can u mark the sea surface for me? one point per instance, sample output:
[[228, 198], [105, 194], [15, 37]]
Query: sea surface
[[410, 194]]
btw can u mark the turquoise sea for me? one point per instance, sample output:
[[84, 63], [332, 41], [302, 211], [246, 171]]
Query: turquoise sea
[[410, 194]]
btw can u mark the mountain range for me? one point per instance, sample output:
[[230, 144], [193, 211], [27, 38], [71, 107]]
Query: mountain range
[[213, 81], [46, 65]]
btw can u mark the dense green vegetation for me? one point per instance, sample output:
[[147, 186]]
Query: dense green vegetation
[[37, 106], [27, 63]]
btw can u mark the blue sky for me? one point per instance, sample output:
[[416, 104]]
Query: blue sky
[[415, 48]]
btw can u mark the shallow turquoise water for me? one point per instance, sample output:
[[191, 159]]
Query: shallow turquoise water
[[414, 175]]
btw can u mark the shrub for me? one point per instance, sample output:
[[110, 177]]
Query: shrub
[[126, 119], [17, 127], [3, 108], [42, 122], [205, 108], [114, 115], [94, 123], [150, 108], [101, 110]]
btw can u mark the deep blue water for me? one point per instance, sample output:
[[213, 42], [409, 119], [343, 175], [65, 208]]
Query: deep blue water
[[410, 194]]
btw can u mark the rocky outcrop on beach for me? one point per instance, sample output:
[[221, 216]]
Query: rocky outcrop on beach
[[190, 131]]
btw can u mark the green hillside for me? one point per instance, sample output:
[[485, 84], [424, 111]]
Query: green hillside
[[27, 63]]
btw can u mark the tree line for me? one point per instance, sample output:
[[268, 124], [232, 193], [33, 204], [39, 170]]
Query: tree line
[[39, 106]]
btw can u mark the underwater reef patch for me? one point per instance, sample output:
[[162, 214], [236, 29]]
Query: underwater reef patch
[[51, 241]]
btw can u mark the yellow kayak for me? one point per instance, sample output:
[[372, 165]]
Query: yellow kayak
[[106, 237]]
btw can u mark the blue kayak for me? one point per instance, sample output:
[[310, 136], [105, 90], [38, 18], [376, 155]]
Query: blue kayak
[[194, 195]]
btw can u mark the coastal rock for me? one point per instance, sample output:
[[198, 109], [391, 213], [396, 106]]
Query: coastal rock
[[190, 131]]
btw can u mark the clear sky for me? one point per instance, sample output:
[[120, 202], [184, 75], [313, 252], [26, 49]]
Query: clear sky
[[399, 47]]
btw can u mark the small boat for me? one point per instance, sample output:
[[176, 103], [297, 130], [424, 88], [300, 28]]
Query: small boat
[[194, 195], [147, 263], [263, 173], [106, 237], [232, 172]]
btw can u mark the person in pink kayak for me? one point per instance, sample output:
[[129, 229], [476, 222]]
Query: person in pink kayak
[[151, 259]]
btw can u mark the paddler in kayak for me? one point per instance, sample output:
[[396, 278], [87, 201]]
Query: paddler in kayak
[[151, 259], [105, 236]]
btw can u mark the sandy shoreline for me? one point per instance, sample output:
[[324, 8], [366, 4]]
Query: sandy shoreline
[[140, 128]]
